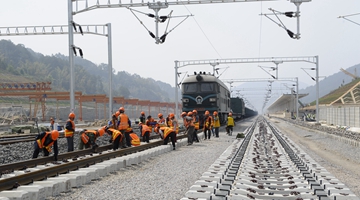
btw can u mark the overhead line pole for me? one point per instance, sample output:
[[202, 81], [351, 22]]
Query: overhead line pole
[[71, 56]]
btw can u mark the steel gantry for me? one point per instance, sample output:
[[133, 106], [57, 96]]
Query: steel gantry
[[89, 5], [101, 30], [307, 59]]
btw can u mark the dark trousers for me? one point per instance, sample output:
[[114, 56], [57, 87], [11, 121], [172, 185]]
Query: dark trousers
[[172, 135], [127, 138], [217, 131], [70, 142], [190, 134], [195, 136], [146, 137], [207, 133], [37, 151], [229, 129], [116, 142]]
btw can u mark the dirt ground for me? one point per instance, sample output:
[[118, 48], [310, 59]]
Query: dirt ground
[[343, 167]]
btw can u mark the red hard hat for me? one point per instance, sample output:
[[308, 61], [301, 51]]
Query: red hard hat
[[142, 113], [54, 135], [71, 115], [194, 111], [190, 113], [117, 113], [122, 109], [160, 115], [183, 114], [171, 115]]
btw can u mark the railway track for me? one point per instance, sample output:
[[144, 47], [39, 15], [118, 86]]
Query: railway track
[[267, 165], [29, 171]]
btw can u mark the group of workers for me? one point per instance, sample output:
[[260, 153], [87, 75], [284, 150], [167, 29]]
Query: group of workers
[[119, 128]]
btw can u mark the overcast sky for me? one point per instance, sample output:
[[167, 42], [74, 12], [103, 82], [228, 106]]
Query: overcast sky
[[230, 30]]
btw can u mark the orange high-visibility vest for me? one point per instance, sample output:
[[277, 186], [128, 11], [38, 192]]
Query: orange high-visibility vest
[[41, 142], [69, 133], [172, 126], [167, 131], [196, 123], [134, 139], [124, 122], [115, 134], [85, 137], [144, 129]]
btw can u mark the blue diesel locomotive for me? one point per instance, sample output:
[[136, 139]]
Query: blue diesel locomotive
[[203, 92]]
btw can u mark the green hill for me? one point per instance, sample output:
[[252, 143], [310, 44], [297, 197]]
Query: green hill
[[21, 64]]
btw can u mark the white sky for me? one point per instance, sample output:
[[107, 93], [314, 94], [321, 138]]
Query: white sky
[[235, 30]]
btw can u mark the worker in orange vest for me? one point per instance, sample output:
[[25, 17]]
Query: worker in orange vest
[[116, 137], [142, 117], [167, 133], [190, 127], [196, 125], [88, 138], [44, 141], [135, 140], [69, 132], [207, 125], [145, 132], [124, 123]]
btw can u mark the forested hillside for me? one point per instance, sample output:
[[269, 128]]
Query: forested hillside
[[23, 64]]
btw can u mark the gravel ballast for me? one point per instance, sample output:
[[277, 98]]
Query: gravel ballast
[[169, 176]]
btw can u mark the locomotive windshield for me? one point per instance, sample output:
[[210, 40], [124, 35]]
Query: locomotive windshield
[[207, 87], [190, 87], [198, 87]]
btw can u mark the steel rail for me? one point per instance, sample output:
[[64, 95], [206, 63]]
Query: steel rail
[[27, 178]]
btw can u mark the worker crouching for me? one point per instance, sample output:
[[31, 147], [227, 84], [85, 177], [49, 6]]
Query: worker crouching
[[167, 133], [116, 137], [88, 138], [145, 132], [44, 141]]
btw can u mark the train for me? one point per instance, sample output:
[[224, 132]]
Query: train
[[204, 92]]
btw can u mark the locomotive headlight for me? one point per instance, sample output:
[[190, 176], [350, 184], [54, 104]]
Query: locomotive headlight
[[212, 99], [185, 100]]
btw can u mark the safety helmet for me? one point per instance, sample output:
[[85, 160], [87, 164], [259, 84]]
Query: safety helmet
[[190, 113], [207, 112], [171, 115], [122, 109], [230, 114], [117, 113], [72, 115], [183, 114], [195, 111], [142, 113], [54, 135], [215, 113], [101, 131], [160, 115]]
